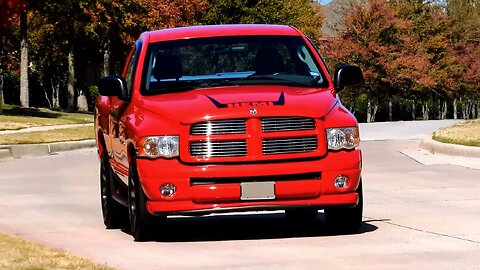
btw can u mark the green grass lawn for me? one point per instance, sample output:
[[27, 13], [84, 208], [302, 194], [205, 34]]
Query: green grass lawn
[[16, 253], [464, 133], [49, 136], [18, 118]]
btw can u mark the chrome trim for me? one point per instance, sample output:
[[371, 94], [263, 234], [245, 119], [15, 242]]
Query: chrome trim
[[229, 126], [279, 124], [289, 145], [218, 149]]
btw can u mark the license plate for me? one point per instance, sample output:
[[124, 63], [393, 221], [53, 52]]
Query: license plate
[[257, 191]]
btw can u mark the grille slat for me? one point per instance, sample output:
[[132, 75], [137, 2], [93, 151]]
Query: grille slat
[[218, 149], [238, 148], [289, 145], [278, 124], [230, 126]]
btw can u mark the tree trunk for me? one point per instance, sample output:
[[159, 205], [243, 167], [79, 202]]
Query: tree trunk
[[106, 59], [413, 110], [46, 97], [464, 110], [375, 108], [71, 97], [425, 111], [455, 116], [55, 98], [369, 110], [24, 97], [472, 110], [71, 81], [478, 109], [467, 109], [466, 106], [352, 107], [390, 109], [1, 92], [438, 106], [444, 110]]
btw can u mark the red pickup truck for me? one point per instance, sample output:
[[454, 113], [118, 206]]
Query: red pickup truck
[[211, 119]]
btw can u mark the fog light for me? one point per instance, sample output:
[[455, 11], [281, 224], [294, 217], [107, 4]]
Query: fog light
[[168, 190], [341, 181]]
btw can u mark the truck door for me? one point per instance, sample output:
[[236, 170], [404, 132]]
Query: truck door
[[118, 118]]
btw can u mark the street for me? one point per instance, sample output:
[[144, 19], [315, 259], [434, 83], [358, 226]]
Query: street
[[417, 215]]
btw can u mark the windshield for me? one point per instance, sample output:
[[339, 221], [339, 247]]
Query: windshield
[[246, 60]]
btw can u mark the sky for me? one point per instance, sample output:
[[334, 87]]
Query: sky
[[324, 2]]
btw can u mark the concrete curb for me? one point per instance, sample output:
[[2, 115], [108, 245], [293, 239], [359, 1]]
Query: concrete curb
[[26, 150], [449, 149]]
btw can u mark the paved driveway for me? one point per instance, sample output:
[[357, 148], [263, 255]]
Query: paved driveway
[[416, 216]]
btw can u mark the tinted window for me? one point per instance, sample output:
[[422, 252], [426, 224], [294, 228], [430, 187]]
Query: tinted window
[[196, 63], [132, 63]]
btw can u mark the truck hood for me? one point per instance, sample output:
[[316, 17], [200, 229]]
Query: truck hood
[[240, 102]]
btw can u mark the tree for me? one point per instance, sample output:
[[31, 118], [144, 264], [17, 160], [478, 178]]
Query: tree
[[372, 38], [410, 49], [303, 14], [464, 36], [24, 90], [10, 10], [69, 18]]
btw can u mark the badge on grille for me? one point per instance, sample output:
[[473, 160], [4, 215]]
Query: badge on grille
[[253, 111]]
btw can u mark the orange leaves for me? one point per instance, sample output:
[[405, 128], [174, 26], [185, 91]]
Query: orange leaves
[[10, 11], [165, 14], [406, 46]]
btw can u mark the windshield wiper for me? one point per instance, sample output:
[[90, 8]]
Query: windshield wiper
[[278, 79]]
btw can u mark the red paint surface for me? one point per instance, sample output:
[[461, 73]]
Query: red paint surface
[[121, 124]]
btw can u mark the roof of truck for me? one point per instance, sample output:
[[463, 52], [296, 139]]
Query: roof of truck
[[219, 30]]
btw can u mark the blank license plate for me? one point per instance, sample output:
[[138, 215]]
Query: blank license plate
[[257, 191]]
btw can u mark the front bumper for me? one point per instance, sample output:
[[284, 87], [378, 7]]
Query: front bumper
[[217, 196]]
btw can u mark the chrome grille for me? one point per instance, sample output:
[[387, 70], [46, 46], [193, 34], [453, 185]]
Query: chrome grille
[[289, 145], [276, 124], [230, 126], [218, 149]]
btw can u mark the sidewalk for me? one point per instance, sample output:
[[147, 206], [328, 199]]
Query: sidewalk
[[24, 150], [435, 147]]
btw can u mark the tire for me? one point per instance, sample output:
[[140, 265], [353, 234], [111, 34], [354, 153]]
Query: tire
[[114, 214], [140, 220], [346, 220], [301, 215]]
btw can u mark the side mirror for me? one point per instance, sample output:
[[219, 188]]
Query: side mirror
[[347, 75], [113, 86]]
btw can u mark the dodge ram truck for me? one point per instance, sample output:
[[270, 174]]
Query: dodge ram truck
[[228, 118]]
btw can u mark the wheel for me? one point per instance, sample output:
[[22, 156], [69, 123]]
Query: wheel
[[114, 214], [346, 220], [301, 215], [140, 220]]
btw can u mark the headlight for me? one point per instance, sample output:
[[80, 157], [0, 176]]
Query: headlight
[[158, 146], [342, 138]]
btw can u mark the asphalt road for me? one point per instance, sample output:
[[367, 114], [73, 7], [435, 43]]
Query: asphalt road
[[416, 216]]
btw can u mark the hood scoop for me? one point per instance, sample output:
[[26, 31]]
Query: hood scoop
[[279, 102]]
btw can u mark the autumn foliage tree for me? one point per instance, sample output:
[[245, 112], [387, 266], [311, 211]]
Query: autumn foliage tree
[[11, 13], [303, 14], [412, 54], [373, 39]]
